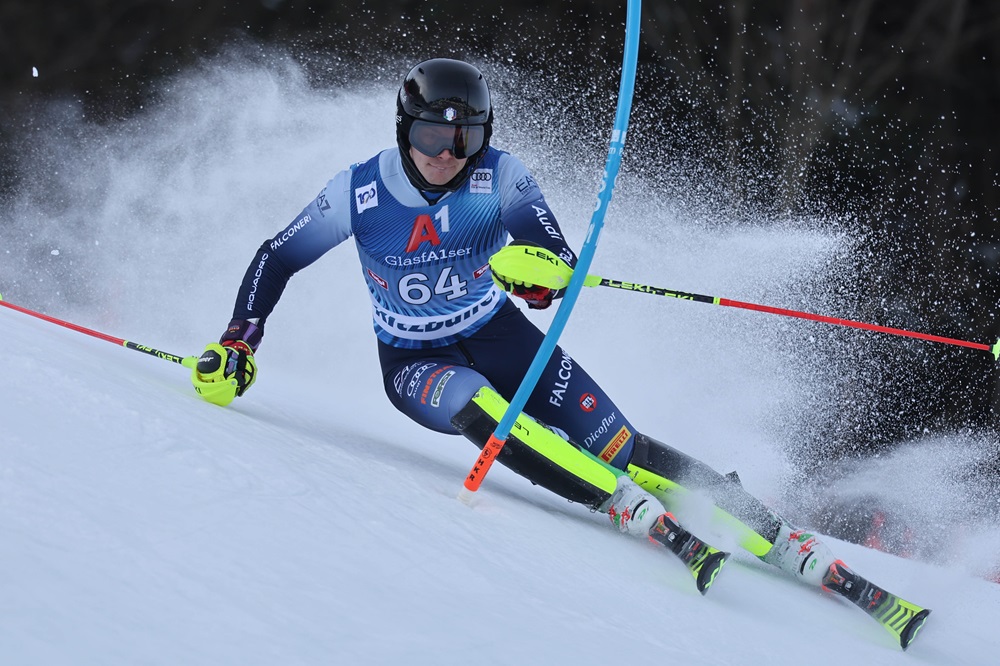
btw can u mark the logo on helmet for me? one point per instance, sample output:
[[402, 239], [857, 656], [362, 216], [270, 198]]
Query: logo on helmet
[[450, 114]]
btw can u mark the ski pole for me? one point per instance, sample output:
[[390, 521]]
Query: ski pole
[[538, 266], [597, 281], [186, 361]]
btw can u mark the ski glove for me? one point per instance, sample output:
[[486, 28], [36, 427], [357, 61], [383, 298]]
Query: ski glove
[[224, 371], [531, 272]]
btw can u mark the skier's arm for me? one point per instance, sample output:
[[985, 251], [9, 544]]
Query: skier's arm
[[529, 220], [322, 225], [226, 369], [532, 220]]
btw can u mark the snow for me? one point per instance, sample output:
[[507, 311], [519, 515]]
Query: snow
[[301, 526], [308, 523]]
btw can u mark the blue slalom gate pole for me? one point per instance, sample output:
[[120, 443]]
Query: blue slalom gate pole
[[625, 91]]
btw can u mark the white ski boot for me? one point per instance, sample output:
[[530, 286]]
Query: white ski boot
[[634, 511], [800, 554], [631, 509]]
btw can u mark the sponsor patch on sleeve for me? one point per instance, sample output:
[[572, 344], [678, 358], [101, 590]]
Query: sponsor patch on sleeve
[[366, 196]]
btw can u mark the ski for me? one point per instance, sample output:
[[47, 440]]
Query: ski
[[702, 560], [900, 617]]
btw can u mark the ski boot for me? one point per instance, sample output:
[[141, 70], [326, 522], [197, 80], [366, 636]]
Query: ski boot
[[634, 511]]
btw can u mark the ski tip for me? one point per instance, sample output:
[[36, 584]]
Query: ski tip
[[709, 569], [909, 632]]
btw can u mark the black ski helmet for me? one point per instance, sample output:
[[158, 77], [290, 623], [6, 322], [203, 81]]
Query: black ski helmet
[[445, 92]]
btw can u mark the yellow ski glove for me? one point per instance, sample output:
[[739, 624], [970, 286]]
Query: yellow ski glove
[[224, 371], [530, 272]]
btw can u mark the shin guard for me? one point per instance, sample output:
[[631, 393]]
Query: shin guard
[[537, 453], [669, 474]]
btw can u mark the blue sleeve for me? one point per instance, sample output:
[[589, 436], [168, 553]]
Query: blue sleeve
[[321, 226], [526, 214]]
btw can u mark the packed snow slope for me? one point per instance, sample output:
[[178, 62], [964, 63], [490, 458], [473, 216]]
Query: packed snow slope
[[308, 523]]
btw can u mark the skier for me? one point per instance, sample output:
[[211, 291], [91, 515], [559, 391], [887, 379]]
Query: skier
[[427, 215]]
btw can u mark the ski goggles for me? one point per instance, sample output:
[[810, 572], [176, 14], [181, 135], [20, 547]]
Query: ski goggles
[[431, 138]]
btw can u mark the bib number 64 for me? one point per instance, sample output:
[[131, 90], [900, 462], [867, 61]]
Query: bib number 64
[[414, 289]]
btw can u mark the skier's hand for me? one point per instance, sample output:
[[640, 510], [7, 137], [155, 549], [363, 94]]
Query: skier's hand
[[537, 298], [224, 371], [531, 272]]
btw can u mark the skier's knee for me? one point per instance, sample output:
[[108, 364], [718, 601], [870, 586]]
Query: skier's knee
[[432, 393]]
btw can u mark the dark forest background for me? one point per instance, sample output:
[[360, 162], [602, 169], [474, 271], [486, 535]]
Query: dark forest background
[[878, 114]]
